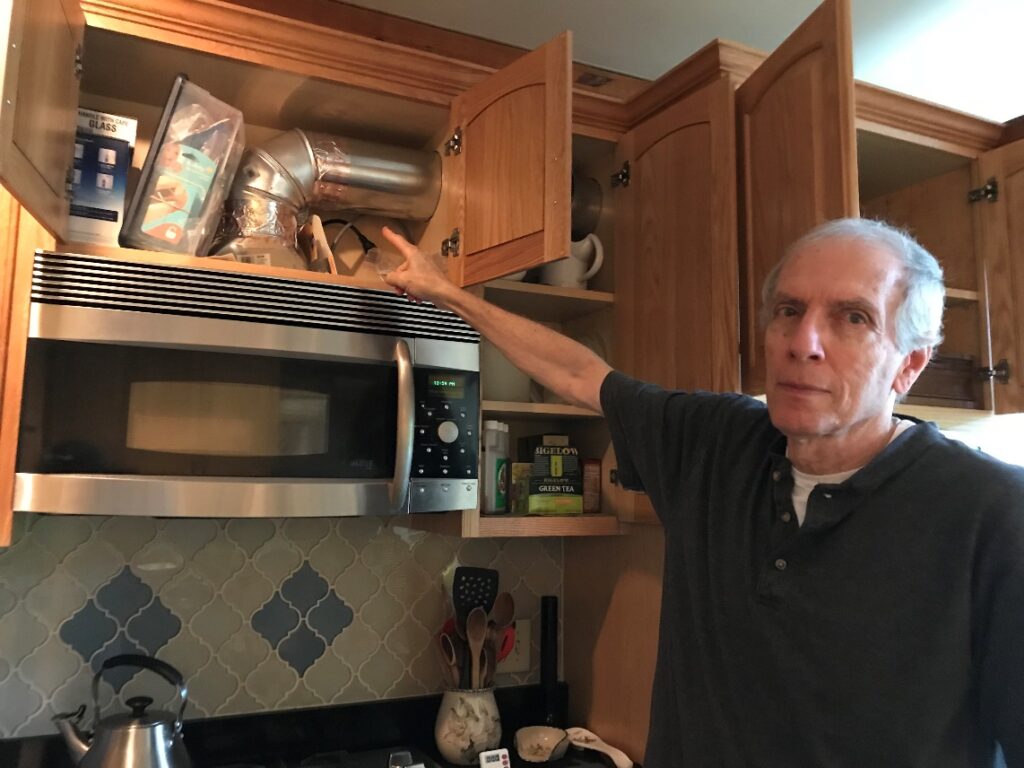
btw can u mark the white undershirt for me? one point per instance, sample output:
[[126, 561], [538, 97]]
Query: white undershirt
[[804, 483]]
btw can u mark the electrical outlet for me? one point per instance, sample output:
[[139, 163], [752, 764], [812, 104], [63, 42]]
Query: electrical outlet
[[519, 659]]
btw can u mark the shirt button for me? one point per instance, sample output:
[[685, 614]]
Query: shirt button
[[780, 564], [786, 517], [776, 475]]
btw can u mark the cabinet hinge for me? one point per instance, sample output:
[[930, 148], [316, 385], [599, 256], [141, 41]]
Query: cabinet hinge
[[621, 177], [1000, 374], [454, 144], [79, 67], [988, 192], [450, 245]]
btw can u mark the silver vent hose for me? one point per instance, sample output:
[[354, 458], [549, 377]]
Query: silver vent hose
[[280, 182]]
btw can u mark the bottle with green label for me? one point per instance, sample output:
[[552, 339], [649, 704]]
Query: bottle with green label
[[495, 468]]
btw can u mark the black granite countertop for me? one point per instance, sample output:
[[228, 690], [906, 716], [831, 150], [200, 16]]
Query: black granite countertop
[[285, 738]]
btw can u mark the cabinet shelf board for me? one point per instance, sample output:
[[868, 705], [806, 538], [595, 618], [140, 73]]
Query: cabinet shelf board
[[961, 296], [199, 262], [546, 303], [511, 410], [471, 524]]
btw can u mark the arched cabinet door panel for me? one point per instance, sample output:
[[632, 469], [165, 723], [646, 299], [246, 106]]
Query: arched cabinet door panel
[[40, 70], [797, 156], [999, 225], [508, 184]]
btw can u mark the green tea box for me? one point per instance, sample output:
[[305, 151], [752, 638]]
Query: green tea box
[[556, 481]]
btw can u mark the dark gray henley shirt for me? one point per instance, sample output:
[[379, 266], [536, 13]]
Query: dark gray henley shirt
[[888, 630]]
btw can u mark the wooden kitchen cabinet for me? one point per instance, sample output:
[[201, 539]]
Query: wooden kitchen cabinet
[[513, 123], [798, 162], [22, 235], [999, 215], [42, 41]]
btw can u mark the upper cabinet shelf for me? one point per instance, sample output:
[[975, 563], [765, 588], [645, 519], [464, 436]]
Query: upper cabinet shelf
[[514, 410], [546, 303]]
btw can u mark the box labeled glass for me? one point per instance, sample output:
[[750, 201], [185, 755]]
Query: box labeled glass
[[103, 154]]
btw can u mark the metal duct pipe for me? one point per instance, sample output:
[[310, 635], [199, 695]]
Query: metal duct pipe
[[279, 182]]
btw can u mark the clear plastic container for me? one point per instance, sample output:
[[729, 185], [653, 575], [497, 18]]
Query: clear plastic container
[[179, 201], [496, 468]]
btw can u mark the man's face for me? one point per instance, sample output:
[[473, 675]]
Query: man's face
[[830, 349]]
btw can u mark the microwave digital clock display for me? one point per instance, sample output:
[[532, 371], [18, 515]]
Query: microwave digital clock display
[[446, 386]]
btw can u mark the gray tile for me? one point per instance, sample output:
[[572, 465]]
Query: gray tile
[[304, 588], [88, 630], [218, 561], [250, 535], [153, 627], [275, 619], [215, 623], [61, 534], [18, 701], [55, 598], [50, 666], [330, 616], [128, 534], [25, 565], [124, 595], [301, 648], [306, 532], [7, 600]]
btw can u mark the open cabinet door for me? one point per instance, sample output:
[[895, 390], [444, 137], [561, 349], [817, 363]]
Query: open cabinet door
[[999, 224], [39, 68], [798, 156], [510, 180], [676, 292]]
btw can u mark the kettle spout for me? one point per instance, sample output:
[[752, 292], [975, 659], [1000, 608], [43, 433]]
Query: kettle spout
[[76, 740]]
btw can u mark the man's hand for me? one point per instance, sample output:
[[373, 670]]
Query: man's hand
[[418, 277]]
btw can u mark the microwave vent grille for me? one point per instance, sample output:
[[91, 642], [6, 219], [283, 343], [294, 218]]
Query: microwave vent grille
[[110, 284]]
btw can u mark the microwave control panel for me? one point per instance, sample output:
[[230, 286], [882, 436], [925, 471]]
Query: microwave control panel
[[446, 443]]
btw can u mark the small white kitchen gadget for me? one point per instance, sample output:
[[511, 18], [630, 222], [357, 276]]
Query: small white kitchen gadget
[[495, 758]]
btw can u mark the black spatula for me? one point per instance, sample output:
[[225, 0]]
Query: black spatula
[[472, 588]]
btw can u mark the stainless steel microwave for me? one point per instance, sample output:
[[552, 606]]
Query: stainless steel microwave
[[170, 391]]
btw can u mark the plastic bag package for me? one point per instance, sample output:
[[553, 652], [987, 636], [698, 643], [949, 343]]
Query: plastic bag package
[[191, 163]]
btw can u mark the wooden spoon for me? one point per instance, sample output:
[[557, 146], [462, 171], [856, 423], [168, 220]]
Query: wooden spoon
[[449, 660], [503, 612], [476, 632]]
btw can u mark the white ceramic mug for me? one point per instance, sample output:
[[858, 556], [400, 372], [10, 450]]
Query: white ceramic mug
[[585, 258]]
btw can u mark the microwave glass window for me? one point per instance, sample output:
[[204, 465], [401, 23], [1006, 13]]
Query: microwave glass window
[[218, 418], [449, 386], [116, 409]]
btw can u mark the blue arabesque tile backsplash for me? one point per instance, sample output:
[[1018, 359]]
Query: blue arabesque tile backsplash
[[256, 614]]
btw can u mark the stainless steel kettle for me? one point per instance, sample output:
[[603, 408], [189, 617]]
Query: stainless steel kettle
[[138, 739]]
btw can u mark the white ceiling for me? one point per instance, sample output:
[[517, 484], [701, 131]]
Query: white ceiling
[[965, 54]]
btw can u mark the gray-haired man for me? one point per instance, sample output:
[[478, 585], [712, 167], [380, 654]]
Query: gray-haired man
[[843, 587]]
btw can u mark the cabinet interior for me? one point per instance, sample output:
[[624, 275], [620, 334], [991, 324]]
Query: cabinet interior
[[585, 315], [925, 191]]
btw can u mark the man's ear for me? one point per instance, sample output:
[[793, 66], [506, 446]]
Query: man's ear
[[910, 369]]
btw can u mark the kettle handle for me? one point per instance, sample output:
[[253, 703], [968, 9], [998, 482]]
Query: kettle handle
[[162, 668]]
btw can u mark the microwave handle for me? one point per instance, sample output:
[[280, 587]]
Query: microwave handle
[[399, 487]]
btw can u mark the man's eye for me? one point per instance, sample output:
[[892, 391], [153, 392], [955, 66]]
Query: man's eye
[[857, 318], [785, 311]]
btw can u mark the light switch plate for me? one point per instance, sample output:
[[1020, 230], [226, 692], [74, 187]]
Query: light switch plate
[[519, 659]]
